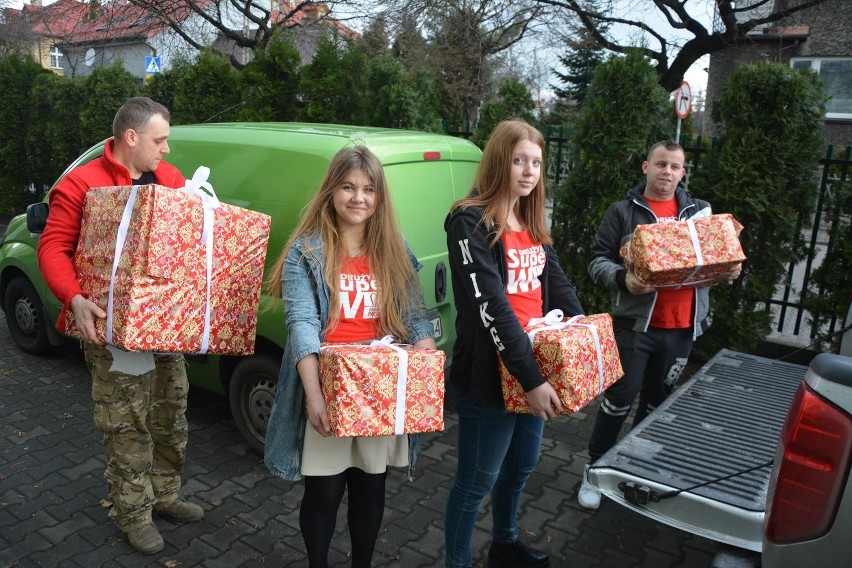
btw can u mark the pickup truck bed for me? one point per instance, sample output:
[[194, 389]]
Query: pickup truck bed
[[724, 420]]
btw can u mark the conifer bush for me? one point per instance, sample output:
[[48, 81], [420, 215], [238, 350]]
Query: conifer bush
[[762, 171], [626, 110]]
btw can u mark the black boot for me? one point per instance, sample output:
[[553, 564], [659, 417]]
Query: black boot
[[516, 555]]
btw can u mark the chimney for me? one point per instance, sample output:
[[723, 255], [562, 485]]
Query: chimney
[[36, 3]]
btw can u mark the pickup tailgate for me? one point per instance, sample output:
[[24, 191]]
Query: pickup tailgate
[[724, 420]]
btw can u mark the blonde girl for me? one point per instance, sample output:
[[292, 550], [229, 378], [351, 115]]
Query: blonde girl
[[348, 233]]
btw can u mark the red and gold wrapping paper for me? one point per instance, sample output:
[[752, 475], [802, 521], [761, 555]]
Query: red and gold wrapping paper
[[665, 254], [577, 362], [160, 290], [360, 384]]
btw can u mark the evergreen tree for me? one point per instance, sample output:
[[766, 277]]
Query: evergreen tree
[[399, 98], [53, 135], [513, 101], [409, 45], [580, 62], [207, 91], [163, 87], [332, 84], [270, 82], [761, 172], [375, 40], [104, 91], [18, 74], [625, 112]]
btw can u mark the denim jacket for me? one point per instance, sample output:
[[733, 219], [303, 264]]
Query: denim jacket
[[306, 310]]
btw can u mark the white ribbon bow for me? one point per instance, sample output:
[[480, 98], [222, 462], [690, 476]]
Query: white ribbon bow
[[553, 320], [209, 202]]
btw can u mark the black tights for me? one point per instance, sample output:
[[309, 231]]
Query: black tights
[[318, 514]]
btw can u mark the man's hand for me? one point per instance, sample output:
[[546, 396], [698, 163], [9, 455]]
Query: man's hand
[[636, 286], [734, 273], [86, 313], [544, 401]]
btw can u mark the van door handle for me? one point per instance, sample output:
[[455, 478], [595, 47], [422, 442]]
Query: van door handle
[[440, 282]]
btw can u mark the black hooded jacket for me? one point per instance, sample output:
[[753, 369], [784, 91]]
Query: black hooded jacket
[[485, 322]]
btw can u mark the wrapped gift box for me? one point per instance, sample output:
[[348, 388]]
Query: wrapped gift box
[[685, 253], [579, 358], [160, 296], [364, 385]]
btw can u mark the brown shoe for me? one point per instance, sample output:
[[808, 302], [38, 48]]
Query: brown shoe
[[145, 538], [181, 511]]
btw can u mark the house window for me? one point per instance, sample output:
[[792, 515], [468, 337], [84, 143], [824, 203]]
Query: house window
[[836, 74], [55, 58]]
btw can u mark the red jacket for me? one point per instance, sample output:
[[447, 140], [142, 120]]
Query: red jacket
[[59, 241]]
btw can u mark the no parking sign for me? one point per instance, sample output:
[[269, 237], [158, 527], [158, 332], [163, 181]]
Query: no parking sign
[[683, 100]]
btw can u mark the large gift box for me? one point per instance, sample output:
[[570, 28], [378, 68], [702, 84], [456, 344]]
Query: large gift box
[[188, 274], [382, 389], [685, 253], [578, 357]]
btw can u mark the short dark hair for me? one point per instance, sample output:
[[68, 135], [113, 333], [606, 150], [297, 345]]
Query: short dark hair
[[136, 113], [669, 145]]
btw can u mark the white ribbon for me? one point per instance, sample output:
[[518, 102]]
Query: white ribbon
[[553, 319], [699, 260], [119, 247], [209, 202], [401, 381], [550, 318]]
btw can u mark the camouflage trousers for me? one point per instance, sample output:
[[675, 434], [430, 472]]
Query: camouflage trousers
[[144, 425]]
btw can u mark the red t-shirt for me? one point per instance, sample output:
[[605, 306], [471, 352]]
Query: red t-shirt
[[357, 302], [524, 262], [673, 309]]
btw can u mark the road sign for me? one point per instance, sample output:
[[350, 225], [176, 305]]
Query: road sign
[[683, 100], [152, 66]]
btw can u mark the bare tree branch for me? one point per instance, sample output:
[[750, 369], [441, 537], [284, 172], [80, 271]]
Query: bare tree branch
[[247, 23], [677, 16]]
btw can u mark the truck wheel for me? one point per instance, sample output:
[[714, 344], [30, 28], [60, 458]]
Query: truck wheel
[[25, 316], [252, 392]]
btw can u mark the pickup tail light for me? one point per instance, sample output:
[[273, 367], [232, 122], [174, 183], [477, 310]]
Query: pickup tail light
[[814, 453]]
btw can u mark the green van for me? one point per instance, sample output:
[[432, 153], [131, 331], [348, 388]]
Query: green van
[[273, 168]]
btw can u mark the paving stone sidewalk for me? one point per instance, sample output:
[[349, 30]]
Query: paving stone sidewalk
[[52, 492]]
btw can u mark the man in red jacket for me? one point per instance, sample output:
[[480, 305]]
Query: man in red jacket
[[139, 399]]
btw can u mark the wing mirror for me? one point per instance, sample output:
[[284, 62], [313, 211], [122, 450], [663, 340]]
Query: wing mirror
[[37, 217]]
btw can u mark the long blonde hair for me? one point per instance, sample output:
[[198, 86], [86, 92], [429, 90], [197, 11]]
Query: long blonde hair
[[492, 184], [385, 247]]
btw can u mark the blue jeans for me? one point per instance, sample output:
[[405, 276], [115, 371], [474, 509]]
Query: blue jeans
[[497, 453]]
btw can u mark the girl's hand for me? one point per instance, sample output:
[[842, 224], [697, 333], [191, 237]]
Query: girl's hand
[[425, 343], [318, 416], [544, 401]]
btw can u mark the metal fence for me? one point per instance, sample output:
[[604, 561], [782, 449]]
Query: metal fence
[[822, 232]]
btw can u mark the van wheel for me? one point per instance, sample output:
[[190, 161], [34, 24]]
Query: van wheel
[[25, 316], [252, 392]]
